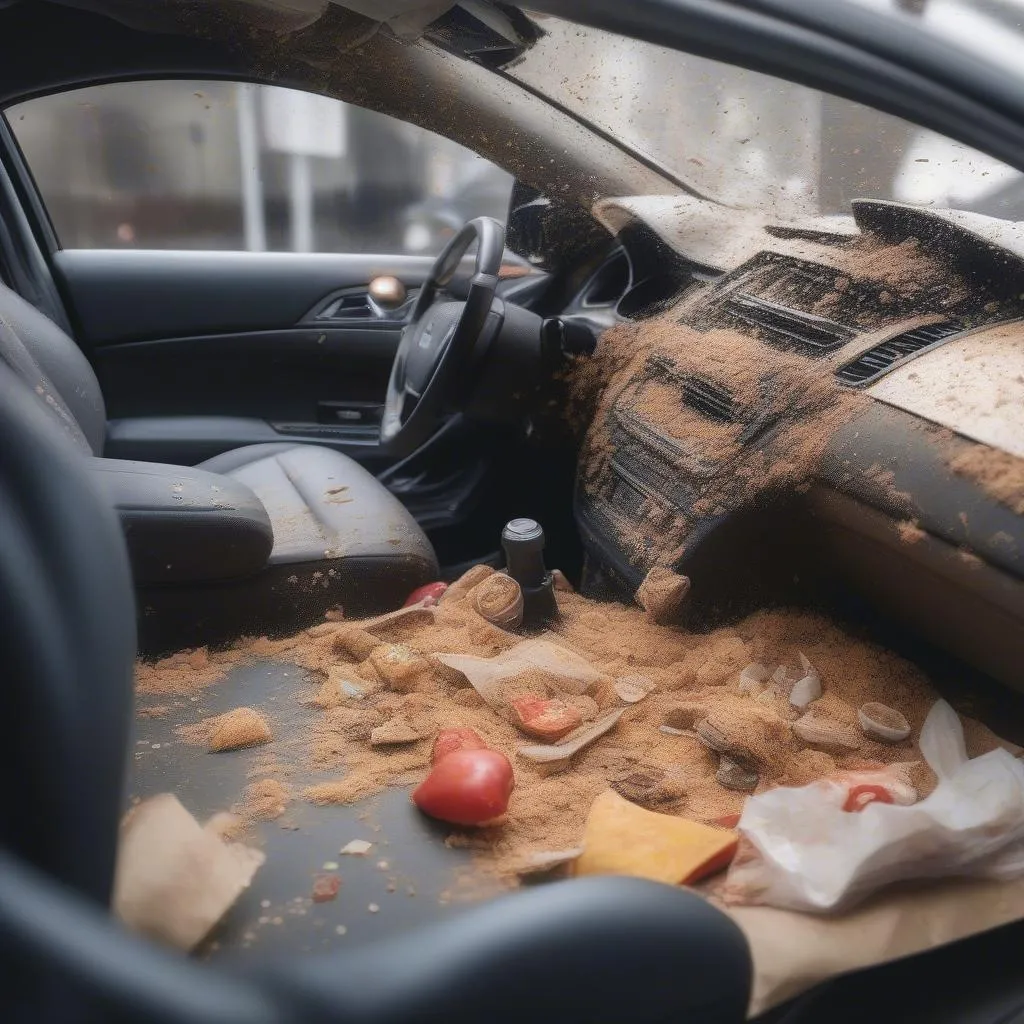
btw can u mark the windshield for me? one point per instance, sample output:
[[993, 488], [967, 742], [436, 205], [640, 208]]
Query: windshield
[[756, 142]]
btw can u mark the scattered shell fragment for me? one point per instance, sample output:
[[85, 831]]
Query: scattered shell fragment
[[393, 733], [633, 689], [546, 861], [748, 734], [356, 848], [826, 734], [753, 678], [572, 744], [499, 599], [560, 582], [802, 684], [662, 594], [881, 722], [714, 738], [684, 716], [734, 775]]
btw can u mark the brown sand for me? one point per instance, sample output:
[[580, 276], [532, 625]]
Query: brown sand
[[184, 673], [234, 730], [791, 403], [674, 773], [998, 473], [910, 531]]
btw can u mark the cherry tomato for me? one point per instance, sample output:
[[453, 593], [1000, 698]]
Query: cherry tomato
[[468, 787], [450, 740], [430, 593], [860, 796], [547, 720]]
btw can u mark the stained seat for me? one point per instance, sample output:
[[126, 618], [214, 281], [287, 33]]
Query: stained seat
[[261, 538]]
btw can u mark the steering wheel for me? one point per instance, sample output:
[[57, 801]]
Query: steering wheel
[[438, 342]]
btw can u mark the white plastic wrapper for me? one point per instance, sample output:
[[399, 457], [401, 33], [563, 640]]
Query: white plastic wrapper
[[806, 853]]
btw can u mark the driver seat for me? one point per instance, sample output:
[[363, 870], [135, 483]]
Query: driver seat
[[259, 539]]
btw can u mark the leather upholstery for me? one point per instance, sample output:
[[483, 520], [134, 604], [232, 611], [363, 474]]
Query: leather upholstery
[[57, 364], [185, 525], [323, 505], [204, 567]]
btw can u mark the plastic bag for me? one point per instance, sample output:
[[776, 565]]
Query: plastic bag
[[805, 852]]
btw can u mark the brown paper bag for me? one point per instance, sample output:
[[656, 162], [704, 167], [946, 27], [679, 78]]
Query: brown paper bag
[[793, 952], [175, 879]]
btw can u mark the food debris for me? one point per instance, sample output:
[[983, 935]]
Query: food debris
[[325, 888], [356, 848], [373, 908], [234, 730], [643, 754]]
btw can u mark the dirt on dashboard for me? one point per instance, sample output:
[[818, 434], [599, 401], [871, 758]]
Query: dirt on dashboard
[[693, 401], [784, 412]]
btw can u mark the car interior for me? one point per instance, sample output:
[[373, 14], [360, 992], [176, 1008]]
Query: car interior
[[205, 445]]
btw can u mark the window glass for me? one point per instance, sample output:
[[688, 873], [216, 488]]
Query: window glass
[[759, 143], [217, 165]]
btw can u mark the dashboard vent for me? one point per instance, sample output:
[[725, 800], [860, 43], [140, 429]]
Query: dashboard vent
[[879, 360], [816, 335], [709, 399]]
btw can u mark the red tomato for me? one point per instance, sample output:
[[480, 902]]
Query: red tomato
[[860, 796], [450, 740], [468, 787], [429, 592], [547, 720]]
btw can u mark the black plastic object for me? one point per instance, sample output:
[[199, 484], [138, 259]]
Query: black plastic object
[[610, 950], [523, 541]]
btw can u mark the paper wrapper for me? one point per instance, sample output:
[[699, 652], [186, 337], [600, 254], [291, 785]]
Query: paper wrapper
[[175, 879], [793, 952]]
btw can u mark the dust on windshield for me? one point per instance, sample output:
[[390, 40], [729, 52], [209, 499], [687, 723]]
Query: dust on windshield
[[752, 141]]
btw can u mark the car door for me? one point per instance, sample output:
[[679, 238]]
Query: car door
[[237, 260]]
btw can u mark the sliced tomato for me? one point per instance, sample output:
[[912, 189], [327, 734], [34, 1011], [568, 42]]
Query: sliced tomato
[[547, 720], [468, 787], [450, 740], [430, 593], [858, 797]]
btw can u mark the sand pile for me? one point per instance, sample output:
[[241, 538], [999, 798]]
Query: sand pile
[[393, 678]]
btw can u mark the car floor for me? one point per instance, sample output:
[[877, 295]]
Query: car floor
[[409, 874]]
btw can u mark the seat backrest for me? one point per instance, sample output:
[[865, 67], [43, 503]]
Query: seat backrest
[[54, 368]]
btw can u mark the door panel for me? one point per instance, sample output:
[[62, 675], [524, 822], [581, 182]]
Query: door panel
[[123, 296], [197, 352]]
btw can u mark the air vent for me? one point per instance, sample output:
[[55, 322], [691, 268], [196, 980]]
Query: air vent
[[790, 328], [709, 399], [879, 360]]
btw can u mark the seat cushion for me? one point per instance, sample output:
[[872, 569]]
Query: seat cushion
[[324, 506]]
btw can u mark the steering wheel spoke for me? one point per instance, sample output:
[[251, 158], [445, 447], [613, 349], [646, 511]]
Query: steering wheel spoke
[[440, 337]]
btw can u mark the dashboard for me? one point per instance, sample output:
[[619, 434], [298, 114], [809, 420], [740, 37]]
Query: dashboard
[[844, 403]]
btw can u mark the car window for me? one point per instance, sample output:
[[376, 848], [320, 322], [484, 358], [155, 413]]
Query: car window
[[221, 165]]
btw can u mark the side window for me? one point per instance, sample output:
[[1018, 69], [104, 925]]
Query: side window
[[216, 165]]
